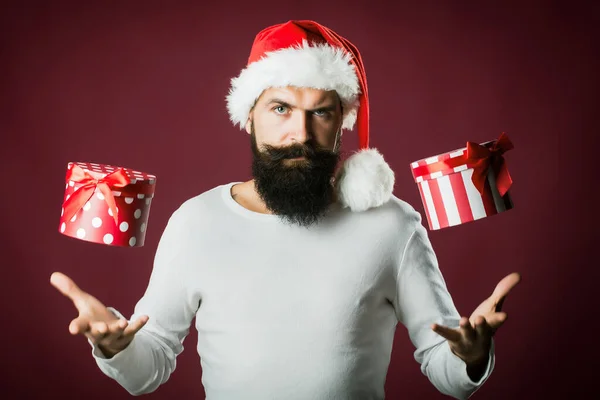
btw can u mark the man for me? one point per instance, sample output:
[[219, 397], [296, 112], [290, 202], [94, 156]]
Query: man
[[298, 278]]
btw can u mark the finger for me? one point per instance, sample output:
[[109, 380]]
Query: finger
[[115, 330], [66, 286], [135, 326], [95, 339], [450, 334], [496, 320], [482, 328], [79, 325], [505, 286], [467, 329], [98, 330], [478, 320]]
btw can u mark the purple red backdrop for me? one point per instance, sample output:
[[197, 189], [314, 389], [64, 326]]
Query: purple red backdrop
[[142, 85]]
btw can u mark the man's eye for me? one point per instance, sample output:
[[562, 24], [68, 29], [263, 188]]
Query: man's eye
[[280, 109], [321, 113]]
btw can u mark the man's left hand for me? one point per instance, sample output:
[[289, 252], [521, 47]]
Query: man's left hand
[[472, 340]]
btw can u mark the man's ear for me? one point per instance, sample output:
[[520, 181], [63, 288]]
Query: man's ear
[[249, 123]]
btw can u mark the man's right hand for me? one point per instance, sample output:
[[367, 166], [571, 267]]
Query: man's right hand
[[95, 321]]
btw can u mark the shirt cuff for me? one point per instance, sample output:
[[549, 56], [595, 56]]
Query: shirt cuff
[[465, 380]]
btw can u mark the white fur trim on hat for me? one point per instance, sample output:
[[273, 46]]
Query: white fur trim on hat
[[364, 181], [318, 66]]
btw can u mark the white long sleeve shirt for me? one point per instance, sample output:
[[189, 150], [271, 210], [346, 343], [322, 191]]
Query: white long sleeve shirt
[[286, 312]]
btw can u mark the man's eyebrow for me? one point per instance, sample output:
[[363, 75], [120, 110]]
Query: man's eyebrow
[[280, 102], [327, 107], [331, 107]]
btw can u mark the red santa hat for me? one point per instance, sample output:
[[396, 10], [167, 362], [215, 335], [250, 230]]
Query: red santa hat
[[307, 54]]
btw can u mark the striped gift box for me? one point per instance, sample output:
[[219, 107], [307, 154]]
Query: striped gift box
[[448, 191]]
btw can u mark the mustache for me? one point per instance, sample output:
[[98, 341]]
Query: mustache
[[307, 150]]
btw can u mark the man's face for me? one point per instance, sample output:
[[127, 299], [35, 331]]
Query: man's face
[[284, 116], [295, 142]]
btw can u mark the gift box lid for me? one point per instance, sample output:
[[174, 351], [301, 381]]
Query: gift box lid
[[443, 164], [139, 182]]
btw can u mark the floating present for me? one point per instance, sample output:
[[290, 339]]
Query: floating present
[[464, 185], [106, 204]]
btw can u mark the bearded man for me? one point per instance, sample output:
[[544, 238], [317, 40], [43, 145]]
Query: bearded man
[[299, 277]]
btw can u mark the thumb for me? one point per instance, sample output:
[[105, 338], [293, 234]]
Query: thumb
[[66, 286], [505, 286]]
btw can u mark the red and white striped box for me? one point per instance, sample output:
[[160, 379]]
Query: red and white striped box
[[106, 204], [464, 185]]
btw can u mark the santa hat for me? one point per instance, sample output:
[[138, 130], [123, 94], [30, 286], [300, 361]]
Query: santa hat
[[307, 54]]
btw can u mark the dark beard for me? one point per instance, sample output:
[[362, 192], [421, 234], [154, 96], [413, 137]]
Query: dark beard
[[300, 192]]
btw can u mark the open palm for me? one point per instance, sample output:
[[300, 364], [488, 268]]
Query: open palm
[[95, 321], [471, 341]]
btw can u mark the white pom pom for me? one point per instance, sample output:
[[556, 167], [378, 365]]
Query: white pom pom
[[364, 181]]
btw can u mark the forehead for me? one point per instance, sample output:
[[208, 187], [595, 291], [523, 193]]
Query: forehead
[[296, 95]]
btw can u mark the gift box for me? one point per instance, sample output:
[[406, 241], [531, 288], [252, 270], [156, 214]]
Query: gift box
[[466, 184], [106, 204]]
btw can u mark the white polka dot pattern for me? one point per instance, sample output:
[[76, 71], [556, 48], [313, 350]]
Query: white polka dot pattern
[[96, 223]]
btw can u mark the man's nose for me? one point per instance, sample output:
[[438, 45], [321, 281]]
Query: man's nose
[[301, 126]]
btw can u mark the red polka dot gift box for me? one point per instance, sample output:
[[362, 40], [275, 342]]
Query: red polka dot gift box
[[465, 185], [106, 204]]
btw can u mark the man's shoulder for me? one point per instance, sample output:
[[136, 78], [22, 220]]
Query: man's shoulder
[[205, 203], [397, 214], [400, 208]]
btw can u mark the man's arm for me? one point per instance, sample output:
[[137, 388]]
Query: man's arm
[[422, 299], [150, 358]]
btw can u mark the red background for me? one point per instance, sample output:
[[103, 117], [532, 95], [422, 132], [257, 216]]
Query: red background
[[142, 85]]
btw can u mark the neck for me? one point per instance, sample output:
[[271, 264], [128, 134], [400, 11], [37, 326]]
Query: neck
[[245, 194]]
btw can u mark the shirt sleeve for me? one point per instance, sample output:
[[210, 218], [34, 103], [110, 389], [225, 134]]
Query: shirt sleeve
[[150, 358], [422, 299]]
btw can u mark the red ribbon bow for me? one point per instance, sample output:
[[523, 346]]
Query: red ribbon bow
[[483, 158], [77, 174]]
